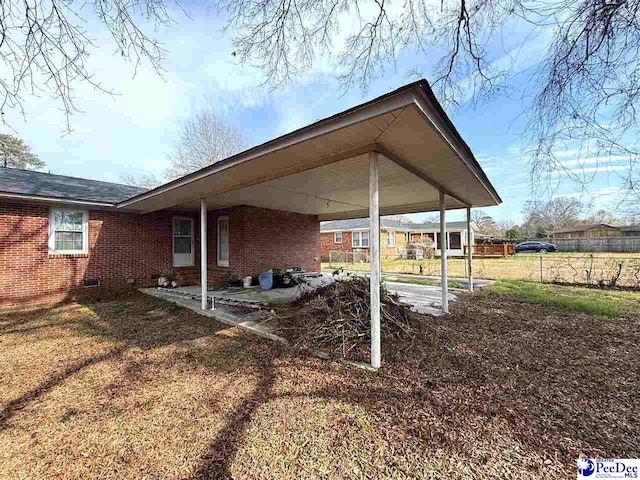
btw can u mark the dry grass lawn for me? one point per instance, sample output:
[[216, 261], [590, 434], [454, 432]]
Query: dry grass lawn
[[136, 388], [580, 268]]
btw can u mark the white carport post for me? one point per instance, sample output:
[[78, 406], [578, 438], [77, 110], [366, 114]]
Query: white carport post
[[203, 253], [469, 249], [374, 245], [444, 283]]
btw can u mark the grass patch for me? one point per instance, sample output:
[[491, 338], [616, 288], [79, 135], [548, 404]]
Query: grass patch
[[601, 302], [174, 307], [71, 412], [574, 268], [503, 387]]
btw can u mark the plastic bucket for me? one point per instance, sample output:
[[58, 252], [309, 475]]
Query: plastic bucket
[[266, 280], [246, 281]]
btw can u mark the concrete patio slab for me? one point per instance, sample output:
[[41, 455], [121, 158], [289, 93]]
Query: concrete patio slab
[[233, 316], [256, 295]]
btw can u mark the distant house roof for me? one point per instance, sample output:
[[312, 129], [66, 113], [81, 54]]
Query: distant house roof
[[584, 228], [631, 228], [28, 183], [359, 223]]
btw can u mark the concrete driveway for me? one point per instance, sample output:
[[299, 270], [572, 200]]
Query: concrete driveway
[[423, 298]]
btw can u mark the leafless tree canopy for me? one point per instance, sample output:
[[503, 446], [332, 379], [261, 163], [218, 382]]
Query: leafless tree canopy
[[584, 88], [203, 140], [146, 180], [44, 46], [541, 218]]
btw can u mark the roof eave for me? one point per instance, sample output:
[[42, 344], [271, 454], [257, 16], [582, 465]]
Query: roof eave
[[418, 93]]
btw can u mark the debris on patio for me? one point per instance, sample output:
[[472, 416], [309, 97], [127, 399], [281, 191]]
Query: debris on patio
[[334, 319]]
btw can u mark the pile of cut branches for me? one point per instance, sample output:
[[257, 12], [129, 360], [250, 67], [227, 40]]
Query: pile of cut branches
[[335, 319]]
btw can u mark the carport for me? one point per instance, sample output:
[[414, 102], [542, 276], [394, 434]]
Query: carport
[[396, 154]]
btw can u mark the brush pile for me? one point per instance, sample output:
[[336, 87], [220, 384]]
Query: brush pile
[[335, 319]]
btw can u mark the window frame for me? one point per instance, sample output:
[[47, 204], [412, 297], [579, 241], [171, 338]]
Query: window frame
[[219, 261], [335, 237], [52, 231], [360, 235], [192, 261], [391, 238]]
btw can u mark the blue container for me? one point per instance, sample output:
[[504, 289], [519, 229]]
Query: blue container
[[266, 280]]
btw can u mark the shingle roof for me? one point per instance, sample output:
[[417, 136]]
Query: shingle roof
[[28, 182], [364, 223], [584, 228]]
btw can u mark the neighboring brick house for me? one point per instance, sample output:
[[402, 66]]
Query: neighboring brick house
[[62, 237], [396, 237]]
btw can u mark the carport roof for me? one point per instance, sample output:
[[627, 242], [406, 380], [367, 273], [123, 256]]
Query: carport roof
[[322, 169]]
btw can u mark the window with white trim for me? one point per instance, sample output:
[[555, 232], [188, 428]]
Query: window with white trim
[[68, 230], [360, 239], [391, 238], [337, 237]]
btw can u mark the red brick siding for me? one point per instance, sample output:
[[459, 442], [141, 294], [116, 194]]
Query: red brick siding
[[262, 239], [327, 244], [121, 246], [130, 246]]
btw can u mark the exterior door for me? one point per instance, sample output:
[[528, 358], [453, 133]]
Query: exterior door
[[182, 242], [223, 241]]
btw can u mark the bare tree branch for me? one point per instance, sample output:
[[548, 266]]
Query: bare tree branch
[[203, 140], [44, 48]]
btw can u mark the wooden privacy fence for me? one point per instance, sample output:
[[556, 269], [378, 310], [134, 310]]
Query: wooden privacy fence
[[601, 244], [492, 250]]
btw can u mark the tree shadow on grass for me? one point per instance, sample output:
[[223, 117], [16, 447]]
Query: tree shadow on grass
[[122, 322], [54, 380], [466, 367], [215, 463]]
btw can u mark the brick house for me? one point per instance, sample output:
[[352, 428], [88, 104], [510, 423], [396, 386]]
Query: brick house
[[399, 153], [396, 237], [63, 237]]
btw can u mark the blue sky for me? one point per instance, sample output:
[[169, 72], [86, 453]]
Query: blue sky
[[134, 130]]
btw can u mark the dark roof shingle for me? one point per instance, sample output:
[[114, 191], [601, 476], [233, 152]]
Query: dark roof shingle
[[28, 182], [584, 228]]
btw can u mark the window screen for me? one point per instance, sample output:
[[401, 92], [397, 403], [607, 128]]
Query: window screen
[[68, 230], [182, 235]]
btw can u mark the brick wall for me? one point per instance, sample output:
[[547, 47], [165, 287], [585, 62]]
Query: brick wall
[[126, 246], [327, 244], [262, 239], [122, 246]]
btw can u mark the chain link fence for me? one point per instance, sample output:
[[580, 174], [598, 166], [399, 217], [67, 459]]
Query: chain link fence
[[587, 269]]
